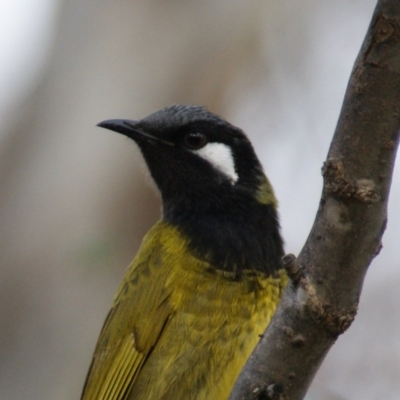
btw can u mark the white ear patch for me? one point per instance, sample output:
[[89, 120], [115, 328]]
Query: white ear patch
[[220, 156]]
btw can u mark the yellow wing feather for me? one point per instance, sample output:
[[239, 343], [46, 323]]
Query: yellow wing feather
[[140, 311]]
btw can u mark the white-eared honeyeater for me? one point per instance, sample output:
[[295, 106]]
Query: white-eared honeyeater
[[207, 277]]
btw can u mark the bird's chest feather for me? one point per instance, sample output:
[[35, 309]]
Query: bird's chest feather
[[216, 322], [212, 319]]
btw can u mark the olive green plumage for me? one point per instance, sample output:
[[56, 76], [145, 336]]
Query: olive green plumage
[[187, 315]]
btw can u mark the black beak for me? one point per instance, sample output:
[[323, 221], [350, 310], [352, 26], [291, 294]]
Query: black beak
[[129, 128]]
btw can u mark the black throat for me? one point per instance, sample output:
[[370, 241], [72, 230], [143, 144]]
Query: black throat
[[233, 232]]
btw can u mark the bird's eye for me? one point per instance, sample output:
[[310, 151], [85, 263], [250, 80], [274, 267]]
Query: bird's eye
[[195, 140]]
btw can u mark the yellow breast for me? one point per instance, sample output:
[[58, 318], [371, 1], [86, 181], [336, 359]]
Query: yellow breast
[[214, 325]]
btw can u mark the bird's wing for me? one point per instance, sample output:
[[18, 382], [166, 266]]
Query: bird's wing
[[135, 322]]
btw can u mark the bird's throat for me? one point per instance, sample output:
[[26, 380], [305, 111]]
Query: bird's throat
[[230, 240]]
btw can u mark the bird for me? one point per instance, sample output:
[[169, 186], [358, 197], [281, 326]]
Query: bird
[[207, 277]]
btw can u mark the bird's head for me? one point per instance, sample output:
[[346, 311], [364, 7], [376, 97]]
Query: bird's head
[[193, 154]]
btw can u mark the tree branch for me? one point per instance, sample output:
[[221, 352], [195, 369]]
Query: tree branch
[[322, 298]]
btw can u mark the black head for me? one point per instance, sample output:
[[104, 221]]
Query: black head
[[211, 182], [189, 149]]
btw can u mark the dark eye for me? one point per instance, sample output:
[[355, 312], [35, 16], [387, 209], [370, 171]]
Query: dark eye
[[195, 140]]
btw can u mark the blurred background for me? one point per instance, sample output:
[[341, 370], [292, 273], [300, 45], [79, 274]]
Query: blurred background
[[74, 203]]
